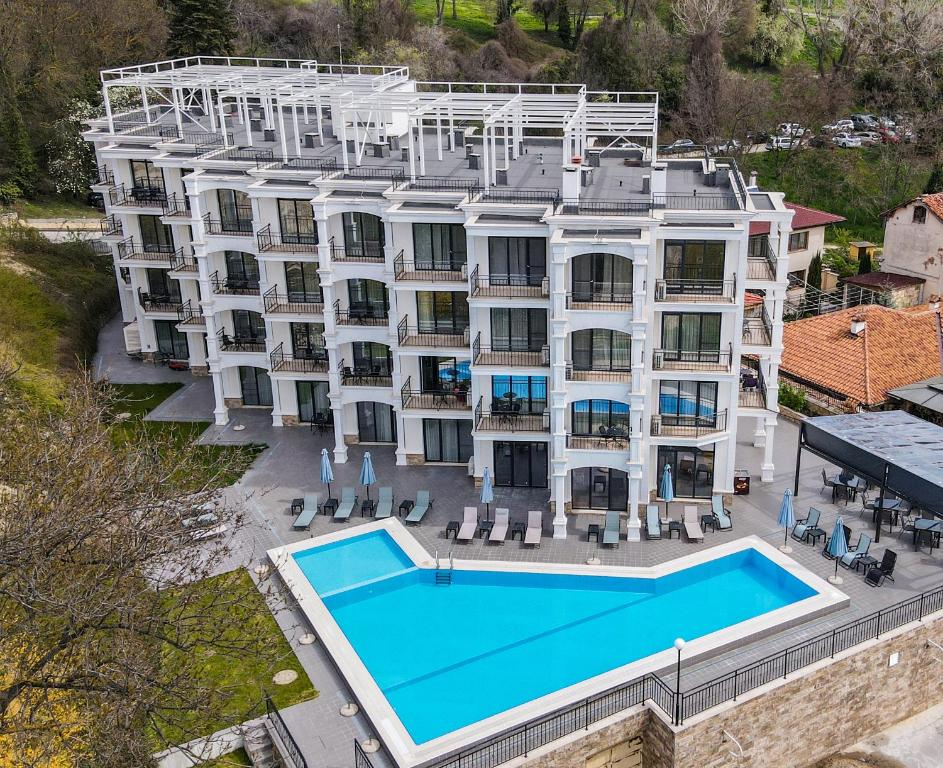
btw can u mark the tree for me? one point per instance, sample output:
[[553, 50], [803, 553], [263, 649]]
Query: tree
[[814, 275], [935, 182], [505, 10], [864, 262], [18, 169], [564, 31], [546, 10], [201, 28]]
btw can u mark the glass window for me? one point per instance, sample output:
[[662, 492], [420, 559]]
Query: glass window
[[147, 176], [235, 210], [599, 349], [376, 423], [162, 287], [683, 403], [920, 215], [313, 401], [691, 336], [156, 237], [598, 417], [368, 296], [442, 311], [242, 270], [248, 326], [518, 330], [363, 234], [372, 357], [439, 374], [307, 341], [692, 470], [296, 222], [517, 260], [303, 281], [447, 440], [170, 341], [439, 246], [599, 488], [256, 386], [523, 394], [602, 277], [520, 464], [798, 241], [694, 265]]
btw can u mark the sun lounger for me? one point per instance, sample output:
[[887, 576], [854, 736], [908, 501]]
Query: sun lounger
[[469, 525], [312, 501], [692, 526], [722, 521], [385, 503], [801, 531], [883, 570], [346, 507], [610, 534], [210, 533], [534, 528], [419, 509], [858, 551], [499, 530], [652, 522]]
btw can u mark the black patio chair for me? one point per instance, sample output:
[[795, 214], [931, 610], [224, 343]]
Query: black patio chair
[[883, 570]]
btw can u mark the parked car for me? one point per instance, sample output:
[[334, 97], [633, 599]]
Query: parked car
[[632, 145], [821, 142], [886, 122], [888, 136], [864, 122], [869, 138], [676, 147], [719, 145], [846, 140], [781, 142], [758, 137], [839, 125], [790, 129]]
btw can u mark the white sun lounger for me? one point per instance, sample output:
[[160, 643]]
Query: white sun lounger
[[385, 504], [692, 526], [610, 534], [534, 528], [348, 502], [499, 530], [469, 525]]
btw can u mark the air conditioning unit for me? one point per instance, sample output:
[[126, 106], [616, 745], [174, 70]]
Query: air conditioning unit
[[545, 355], [661, 290], [466, 336], [658, 360], [545, 286], [656, 424]]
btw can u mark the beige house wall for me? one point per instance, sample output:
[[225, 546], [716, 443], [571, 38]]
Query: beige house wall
[[800, 260], [914, 249]]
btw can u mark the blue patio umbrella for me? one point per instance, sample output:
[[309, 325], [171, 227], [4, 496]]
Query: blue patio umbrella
[[837, 547], [367, 475], [487, 492], [787, 519], [667, 489], [327, 473]]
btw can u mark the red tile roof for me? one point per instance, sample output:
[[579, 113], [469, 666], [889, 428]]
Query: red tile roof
[[896, 348], [804, 218], [887, 280], [933, 201]]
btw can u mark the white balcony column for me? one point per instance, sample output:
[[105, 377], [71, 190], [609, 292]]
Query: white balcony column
[[771, 379], [558, 495], [633, 527], [220, 412], [768, 466], [759, 434], [276, 400], [337, 409]]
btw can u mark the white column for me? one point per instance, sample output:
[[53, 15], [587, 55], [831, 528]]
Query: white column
[[340, 448], [221, 412], [768, 466], [633, 526], [558, 496], [759, 436]]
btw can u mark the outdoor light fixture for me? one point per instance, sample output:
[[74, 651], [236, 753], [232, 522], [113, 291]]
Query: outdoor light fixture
[[679, 645]]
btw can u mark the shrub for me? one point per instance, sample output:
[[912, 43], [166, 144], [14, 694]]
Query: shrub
[[792, 398]]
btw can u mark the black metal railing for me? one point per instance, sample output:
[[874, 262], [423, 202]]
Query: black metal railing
[[761, 261], [137, 197], [308, 361], [499, 355], [708, 201], [183, 263], [294, 751], [204, 139], [601, 297], [298, 163], [290, 243], [692, 359], [104, 176], [155, 130], [611, 439], [129, 248], [697, 290], [374, 315], [758, 330], [366, 375], [504, 417], [243, 155], [620, 372], [510, 286], [439, 184], [391, 173], [229, 343], [425, 269], [111, 226], [177, 206], [360, 757], [605, 208], [430, 335], [156, 302], [241, 227], [188, 315], [370, 253], [292, 303], [680, 425], [233, 286], [450, 400], [520, 196]]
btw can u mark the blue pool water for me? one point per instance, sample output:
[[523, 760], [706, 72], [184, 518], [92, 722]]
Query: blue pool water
[[447, 657]]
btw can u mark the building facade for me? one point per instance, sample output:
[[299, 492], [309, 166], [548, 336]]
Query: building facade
[[913, 241], [505, 276]]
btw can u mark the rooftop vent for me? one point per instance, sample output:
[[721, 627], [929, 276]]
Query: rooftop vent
[[858, 324]]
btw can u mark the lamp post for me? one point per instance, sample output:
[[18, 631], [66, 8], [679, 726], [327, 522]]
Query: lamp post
[[679, 644]]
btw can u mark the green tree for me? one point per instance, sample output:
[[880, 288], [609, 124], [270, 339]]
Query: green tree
[[815, 271], [935, 182], [18, 169], [201, 28], [864, 263], [564, 30]]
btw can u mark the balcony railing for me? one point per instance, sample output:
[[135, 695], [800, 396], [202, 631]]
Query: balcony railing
[[231, 286], [427, 271], [691, 360], [229, 343], [758, 330], [365, 375], [695, 290], [129, 248], [187, 314], [607, 439], [243, 155], [605, 208], [519, 196], [181, 263], [177, 207], [711, 201], [752, 385], [138, 197], [509, 358], [393, 173], [620, 375], [363, 253], [600, 297], [291, 243], [455, 400], [688, 426], [241, 227], [313, 361], [111, 226], [370, 315], [510, 286], [321, 165], [761, 261], [503, 418], [292, 303], [438, 184], [424, 336], [155, 302], [104, 176]]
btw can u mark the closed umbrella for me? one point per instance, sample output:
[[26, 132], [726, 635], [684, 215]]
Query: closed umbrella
[[787, 519], [487, 492], [327, 473], [667, 489], [367, 475], [837, 548]]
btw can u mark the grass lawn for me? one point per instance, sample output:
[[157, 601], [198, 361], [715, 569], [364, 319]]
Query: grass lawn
[[56, 208], [139, 399], [476, 19], [245, 680], [237, 759]]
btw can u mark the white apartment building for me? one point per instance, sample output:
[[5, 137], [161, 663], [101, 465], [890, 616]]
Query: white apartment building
[[502, 275]]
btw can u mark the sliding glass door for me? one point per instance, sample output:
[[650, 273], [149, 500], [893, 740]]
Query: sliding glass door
[[520, 464], [599, 488]]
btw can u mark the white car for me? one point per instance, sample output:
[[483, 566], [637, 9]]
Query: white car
[[869, 138], [846, 140], [781, 142], [731, 145], [631, 145], [791, 129], [839, 125]]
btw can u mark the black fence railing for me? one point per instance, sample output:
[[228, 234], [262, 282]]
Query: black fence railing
[[177, 206], [431, 335], [292, 303], [606, 208], [429, 270], [289, 243], [294, 751], [509, 285], [241, 155], [757, 327], [519, 196], [374, 315], [138, 196], [187, 314], [366, 253], [366, 374], [111, 226], [620, 372], [156, 302], [238, 227], [599, 295], [697, 290], [233, 286], [389, 173], [439, 184], [104, 176], [455, 399], [692, 359], [229, 343], [506, 356], [361, 760], [182, 263], [684, 425], [129, 248], [761, 261], [306, 361], [509, 417], [319, 164], [708, 201]]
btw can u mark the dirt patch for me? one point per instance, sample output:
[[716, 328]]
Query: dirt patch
[[859, 760]]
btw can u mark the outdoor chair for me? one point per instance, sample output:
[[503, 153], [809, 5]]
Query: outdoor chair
[[469, 525], [610, 534], [652, 523], [883, 570], [534, 528], [801, 530], [692, 526], [858, 551], [346, 507], [308, 512], [422, 505], [829, 485], [722, 521], [385, 503], [499, 530]]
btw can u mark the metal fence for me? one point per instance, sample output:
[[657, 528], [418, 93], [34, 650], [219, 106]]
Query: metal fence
[[294, 751]]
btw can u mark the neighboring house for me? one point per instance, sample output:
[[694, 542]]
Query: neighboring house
[[889, 288], [913, 240], [848, 361], [807, 238]]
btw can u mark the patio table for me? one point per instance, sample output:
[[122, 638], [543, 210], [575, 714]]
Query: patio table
[[925, 524], [517, 529]]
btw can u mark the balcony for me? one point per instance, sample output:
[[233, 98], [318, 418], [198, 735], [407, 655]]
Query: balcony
[[368, 315], [104, 177], [184, 264], [241, 227], [709, 201], [503, 418], [177, 207], [605, 208], [761, 261], [375, 375], [692, 360], [131, 250], [423, 270], [364, 253], [599, 375], [231, 286], [696, 291], [508, 195], [596, 297], [229, 343], [292, 303], [155, 302], [509, 286], [137, 197], [757, 327], [607, 439], [312, 361], [190, 317], [752, 392], [438, 184], [455, 400], [688, 426], [291, 243], [508, 358], [111, 226], [424, 336]]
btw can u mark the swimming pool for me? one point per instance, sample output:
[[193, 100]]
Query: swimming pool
[[431, 662]]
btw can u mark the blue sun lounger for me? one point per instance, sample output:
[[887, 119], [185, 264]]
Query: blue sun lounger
[[346, 507]]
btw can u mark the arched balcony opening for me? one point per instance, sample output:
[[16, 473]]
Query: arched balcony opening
[[600, 281]]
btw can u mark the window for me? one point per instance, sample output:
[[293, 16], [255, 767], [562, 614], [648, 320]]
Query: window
[[448, 440], [376, 423], [442, 311], [688, 403], [313, 400], [303, 281], [692, 470], [518, 330], [256, 386], [439, 246], [517, 260], [373, 357], [363, 234], [162, 287], [368, 296], [170, 341], [525, 394], [296, 222], [235, 210], [598, 417], [920, 215], [156, 237], [798, 241], [248, 326], [694, 265], [520, 464], [307, 341], [439, 374], [242, 270], [602, 277], [599, 349], [599, 488], [147, 176], [691, 336]]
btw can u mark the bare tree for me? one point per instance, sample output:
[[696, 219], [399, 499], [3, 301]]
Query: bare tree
[[702, 17]]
